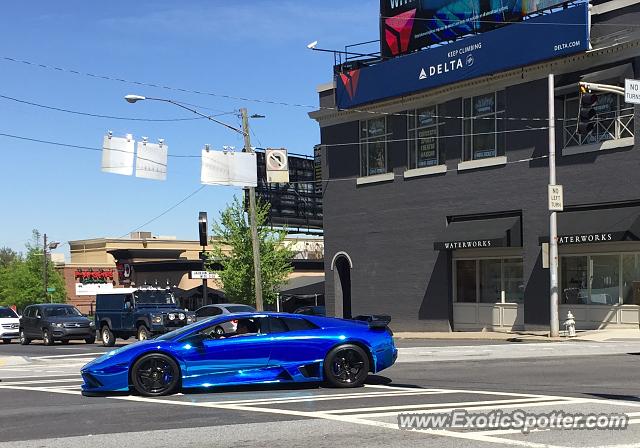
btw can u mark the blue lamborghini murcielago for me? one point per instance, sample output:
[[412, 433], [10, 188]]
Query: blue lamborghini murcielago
[[263, 348]]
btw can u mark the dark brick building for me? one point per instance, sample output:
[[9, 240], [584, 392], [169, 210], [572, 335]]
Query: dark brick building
[[435, 205]]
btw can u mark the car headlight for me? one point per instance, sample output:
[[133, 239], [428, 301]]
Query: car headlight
[[191, 319], [58, 325], [181, 316], [172, 316], [156, 319], [92, 324]]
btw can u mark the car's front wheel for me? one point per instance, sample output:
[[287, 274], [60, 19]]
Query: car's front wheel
[[23, 338], [346, 366], [155, 374], [46, 337], [6, 341], [90, 340], [108, 339], [143, 333]]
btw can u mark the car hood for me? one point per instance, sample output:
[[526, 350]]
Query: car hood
[[122, 354], [63, 319], [9, 320]]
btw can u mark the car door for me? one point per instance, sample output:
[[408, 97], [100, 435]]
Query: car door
[[25, 321], [235, 359], [295, 341], [35, 322]]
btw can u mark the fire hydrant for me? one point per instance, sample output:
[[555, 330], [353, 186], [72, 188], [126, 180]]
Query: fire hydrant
[[570, 325]]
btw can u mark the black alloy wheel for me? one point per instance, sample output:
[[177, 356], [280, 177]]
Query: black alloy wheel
[[218, 331], [23, 338], [346, 366], [90, 340], [108, 339], [46, 337], [155, 374]]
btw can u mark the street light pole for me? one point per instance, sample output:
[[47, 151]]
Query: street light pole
[[252, 191], [45, 278], [553, 219], [257, 274]]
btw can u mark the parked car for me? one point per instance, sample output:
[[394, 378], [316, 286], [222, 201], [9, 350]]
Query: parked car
[[9, 325], [228, 326], [55, 322], [311, 310], [305, 349], [140, 312]]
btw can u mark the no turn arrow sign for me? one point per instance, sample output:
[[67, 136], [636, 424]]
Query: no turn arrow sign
[[277, 165]]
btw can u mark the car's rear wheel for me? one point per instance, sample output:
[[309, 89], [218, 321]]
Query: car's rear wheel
[[346, 366], [143, 333], [46, 337], [6, 341], [108, 339], [155, 374], [219, 331], [23, 338]]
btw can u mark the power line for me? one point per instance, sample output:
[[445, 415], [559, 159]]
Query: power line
[[88, 114], [189, 196], [238, 98]]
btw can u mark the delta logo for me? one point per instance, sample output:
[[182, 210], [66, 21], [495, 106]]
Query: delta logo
[[397, 31], [350, 82]]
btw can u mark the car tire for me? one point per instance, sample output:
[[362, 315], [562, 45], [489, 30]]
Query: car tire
[[23, 338], [47, 339], [90, 339], [346, 366], [155, 374], [219, 331], [108, 339], [143, 333], [65, 342], [6, 341]]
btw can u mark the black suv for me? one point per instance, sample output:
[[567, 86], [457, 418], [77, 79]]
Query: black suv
[[55, 322], [142, 312]]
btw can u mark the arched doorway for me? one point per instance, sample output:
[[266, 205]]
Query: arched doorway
[[341, 266]]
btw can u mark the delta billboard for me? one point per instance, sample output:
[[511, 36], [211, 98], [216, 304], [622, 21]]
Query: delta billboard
[[522, 43], [408, 25]]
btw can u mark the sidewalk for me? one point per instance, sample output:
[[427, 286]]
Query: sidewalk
[[527, 336]]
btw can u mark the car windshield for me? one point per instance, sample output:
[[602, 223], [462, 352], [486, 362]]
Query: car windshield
[[7, 313], [155, 297], [240, 309], [176, 333], [61, 311]]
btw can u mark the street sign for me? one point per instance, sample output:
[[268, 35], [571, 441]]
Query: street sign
[[556, 198], [202, 275], [277, 166], [632, 91], [51, 289]]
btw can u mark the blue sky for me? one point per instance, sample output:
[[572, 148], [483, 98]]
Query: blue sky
[[252, 49]]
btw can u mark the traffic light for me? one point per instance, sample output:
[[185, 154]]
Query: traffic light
[[587, 114]]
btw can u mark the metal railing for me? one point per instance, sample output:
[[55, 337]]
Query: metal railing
[[610, 126]]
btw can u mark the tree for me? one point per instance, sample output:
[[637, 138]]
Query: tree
[[21, 280], [7, 255], [232, 248]]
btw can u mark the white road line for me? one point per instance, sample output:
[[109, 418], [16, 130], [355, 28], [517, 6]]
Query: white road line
[[41, 381], [463, 404], [435, 410], [11, 378], [76, 355], [43, 389]]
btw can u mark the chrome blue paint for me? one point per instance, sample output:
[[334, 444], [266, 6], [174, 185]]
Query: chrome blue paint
[[262, 358]]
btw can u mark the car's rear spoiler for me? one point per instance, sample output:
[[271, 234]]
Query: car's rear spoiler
[[374, 320]]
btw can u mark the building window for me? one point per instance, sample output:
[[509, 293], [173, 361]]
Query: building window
[[489, 280], [373, 146], [483, 126], [423, 138], [613, 120], [603, 279]]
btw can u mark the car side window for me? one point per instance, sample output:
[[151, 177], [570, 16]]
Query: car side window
[[37, 313], [27, 311], [284, 324]]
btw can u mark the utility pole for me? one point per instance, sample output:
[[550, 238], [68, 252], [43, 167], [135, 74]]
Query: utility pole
[[553, 220], [45, 278], [252, 218]]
